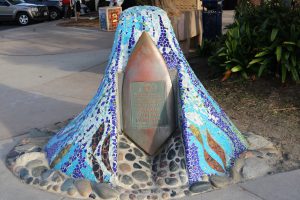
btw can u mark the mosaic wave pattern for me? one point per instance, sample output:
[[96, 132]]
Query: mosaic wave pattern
[[87, 147]]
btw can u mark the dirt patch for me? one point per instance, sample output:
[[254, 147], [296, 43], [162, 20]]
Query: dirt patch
[[81, 22], [265, 107]]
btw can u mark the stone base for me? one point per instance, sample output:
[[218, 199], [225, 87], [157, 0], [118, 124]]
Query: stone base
[[139, 176]]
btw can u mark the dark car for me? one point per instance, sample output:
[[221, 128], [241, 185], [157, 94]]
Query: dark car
[[23, 13], [54, 7]]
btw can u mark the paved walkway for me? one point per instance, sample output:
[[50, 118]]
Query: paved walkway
[[48, 74], [284, 186]]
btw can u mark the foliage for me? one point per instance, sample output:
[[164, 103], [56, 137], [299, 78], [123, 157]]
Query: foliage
[[263, 40], [207, 48], [234, 55]]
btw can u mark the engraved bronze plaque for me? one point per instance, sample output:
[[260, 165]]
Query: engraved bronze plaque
[[148, 112], [148, 104]]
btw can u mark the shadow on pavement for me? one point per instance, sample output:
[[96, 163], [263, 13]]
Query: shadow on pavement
[[12, 25], [21, 111]]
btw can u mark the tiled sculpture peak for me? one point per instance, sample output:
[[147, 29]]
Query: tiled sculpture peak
[[89, 146]]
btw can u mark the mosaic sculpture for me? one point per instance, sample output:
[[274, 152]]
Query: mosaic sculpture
[[87, 148]]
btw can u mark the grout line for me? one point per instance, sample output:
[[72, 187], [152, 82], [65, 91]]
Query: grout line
[[87, 30], [91, 67], [252, 193]]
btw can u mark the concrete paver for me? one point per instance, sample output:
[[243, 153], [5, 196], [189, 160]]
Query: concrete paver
[[48, 38], [28, 71], [284, 186], [48, 74], [22, 110], [233, 192], [76, 85]]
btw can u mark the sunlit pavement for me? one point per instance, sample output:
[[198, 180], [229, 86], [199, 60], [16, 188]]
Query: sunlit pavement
[[48, 74]]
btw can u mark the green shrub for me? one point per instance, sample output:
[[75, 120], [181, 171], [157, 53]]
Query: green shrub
[[263, 40], [208, 47]]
